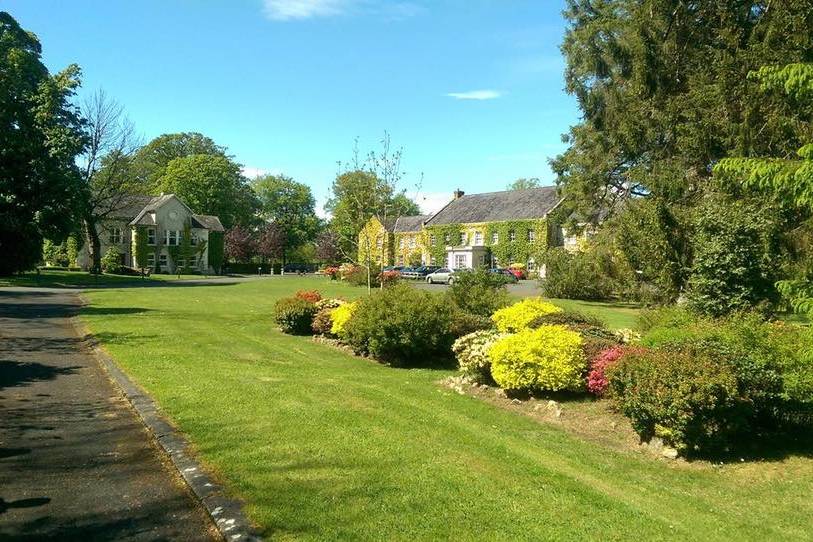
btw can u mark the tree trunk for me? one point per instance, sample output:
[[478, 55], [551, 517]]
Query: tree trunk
[[94, 245]]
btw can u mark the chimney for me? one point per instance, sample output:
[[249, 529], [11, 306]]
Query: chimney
[[458, 194]]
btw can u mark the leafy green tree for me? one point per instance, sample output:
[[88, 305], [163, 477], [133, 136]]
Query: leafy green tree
[[663, 93], [788, 179], [210, 184], [151, 161], [290, 206], [40, 139], [524, 183]]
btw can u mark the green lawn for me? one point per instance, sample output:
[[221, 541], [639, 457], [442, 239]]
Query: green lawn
[[79, 279], [323, 445]]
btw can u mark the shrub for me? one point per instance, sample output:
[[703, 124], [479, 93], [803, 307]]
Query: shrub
[[522, 315], [357, 275], [479, 292], [329, 303], [547, 358], [688, 400], [597, 377], [294, 315], [464, 323], [388, 278], [471, 352], [331, 271], [111, 261], [311, 296], [579, 275], [323, 322], [340, 316], [402, 326]]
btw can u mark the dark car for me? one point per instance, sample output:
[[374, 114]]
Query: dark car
[[505, 275], [422, 271]]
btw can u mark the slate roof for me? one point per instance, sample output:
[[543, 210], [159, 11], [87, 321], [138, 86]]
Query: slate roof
[[410, 223], [209, 222], [498, 206], [130, 207]]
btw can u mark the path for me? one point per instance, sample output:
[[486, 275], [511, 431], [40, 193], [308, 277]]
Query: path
[[75, 461]]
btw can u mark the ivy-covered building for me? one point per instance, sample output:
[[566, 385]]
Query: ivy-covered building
[[163, 234], [494, 228]]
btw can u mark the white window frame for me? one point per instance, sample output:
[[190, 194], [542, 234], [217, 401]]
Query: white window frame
[[495, 238], [401, 243], [163, 261], [193, 239], [151, 260], [172, 238], [116, 236], [464, 238], [512, 236], [447, 238], [460, 261], [531, 236], [432, 240], [152, 236], [412, 242], [478, 238]]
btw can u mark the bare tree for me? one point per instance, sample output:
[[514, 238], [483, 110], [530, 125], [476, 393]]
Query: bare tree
[[106, 167]]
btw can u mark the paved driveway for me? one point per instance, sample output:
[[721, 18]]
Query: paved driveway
[[523, 288], [75, 461]]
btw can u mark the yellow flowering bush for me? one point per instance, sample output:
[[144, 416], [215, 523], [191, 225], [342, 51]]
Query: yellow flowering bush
[[340, 316], [547, 358], [522, 315], [471, 352]]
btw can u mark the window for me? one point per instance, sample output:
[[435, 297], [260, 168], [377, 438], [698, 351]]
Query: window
[[151, 238], [411, 242], [115, 236], [402, 243], [379, 242], [531, 265], [432, 239], [512, 236], [151, 260], [531, 235], [478, 238], [447, 238], [172, 237], [495, 238], [460, 261], [193, 239], [181, 263], [463, 239], [162, 260], [432, 260]]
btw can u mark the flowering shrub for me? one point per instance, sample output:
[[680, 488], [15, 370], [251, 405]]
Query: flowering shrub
[[691, 401], [627, 336], [329, 303], [331, 271], [388, 278], [522, 315], [294, 315], [323, 322], [597, 378], [518, 270], [339, 317], [471, 352], [309, 295], [547, 358]]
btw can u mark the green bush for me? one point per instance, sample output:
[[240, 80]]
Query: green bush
[[547, 358], [479, 292], [578, 275], [690, 401], [294, 315], [464, 323], [111, 261], [523, 314], [471, 352], [357, 275], [736, 255], [402, 326]]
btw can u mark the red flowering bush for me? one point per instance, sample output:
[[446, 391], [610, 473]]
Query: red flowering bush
[[597, 379], [331, 271], [309, 295], [388, 278]]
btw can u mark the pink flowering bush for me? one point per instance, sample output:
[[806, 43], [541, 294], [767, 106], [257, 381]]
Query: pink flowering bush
[[388, 278], [597, 379]]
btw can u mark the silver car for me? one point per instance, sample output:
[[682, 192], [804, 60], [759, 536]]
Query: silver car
[[443, 275]]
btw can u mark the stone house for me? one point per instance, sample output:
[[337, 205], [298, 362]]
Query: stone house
[[174, 236], [494, 228]]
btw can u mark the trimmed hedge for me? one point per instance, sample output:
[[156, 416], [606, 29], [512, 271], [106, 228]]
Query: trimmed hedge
[[294, 315]]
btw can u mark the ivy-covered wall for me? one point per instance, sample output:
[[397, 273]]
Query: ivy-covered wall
[[506, 251], [412, 251], [375, 243], [437, 238]]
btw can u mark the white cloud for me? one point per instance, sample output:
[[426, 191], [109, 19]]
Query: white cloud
[[475, 95], [286, 10], [254, 172], [432, 202]]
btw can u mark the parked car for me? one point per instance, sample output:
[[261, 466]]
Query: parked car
[[504, 274], [518, 273], [408, 273], [398, 268], [443, 275], [424, 270]]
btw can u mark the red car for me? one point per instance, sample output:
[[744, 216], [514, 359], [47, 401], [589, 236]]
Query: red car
[[519, 273]]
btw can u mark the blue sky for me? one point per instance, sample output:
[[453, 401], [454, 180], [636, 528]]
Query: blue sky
[[471, 89]]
